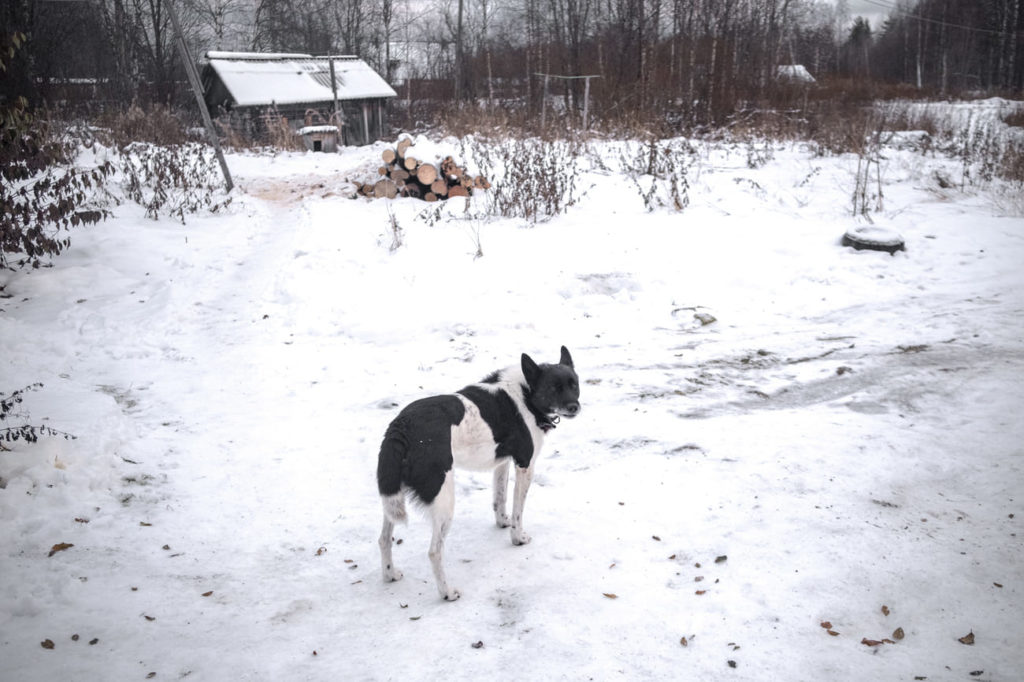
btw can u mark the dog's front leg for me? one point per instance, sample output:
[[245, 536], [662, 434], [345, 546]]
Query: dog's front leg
[[524, 476], [501, 494]]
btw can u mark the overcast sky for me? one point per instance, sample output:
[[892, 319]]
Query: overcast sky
[[873, 10]]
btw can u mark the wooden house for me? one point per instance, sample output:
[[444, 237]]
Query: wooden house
[[266, 93]]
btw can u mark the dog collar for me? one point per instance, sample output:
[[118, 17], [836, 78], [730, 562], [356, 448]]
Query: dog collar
[[547, 423]]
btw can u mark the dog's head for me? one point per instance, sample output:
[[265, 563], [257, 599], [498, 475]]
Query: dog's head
[[554, 389]]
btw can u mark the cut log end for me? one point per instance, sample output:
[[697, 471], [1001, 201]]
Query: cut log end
[[439, 187], [402, 146], [426, 173], [385, 189]]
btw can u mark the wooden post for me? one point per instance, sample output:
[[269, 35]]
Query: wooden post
[[197, 88], [366, 122], [586, 101], [586, 96], [544, 105], [334, 86]]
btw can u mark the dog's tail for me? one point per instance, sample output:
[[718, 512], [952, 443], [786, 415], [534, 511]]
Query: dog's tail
[[389, 475]]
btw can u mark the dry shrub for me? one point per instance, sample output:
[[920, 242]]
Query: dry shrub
[[531, 178], [155, 124], [233, 136], [461, 121], [279, 134]]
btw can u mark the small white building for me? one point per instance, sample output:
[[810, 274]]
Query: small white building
[[299, 89], [794, 74]]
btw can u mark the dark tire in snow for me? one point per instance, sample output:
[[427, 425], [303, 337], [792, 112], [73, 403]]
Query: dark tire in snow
[[873, 239]]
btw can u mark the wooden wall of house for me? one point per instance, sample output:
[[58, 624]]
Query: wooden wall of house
[[356, 131]]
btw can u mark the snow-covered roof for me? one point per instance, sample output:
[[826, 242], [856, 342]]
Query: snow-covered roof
[[310, 130], [796, 73], [255, 79]]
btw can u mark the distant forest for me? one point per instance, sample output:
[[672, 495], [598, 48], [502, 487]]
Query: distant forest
[[701, 59]]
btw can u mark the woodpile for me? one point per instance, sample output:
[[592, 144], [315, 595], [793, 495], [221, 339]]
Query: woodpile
[[404, 175]]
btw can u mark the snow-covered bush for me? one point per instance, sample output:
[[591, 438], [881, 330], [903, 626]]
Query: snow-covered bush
[[171, 180], [12, 433], [530, 178], [42, 192], [659, 171]]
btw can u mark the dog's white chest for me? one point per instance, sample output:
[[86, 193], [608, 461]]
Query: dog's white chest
[[473, 444]]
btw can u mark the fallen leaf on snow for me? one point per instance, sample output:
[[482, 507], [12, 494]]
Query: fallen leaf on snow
[[967, 639], [826, 624], [898, 634], [871, 642], [477, 645], [699, 592], [832, 632], [655, 537], [682, 640], [885, 610], [207, 594], [60, 547], [720, 559], [610, 595], [46, 644]]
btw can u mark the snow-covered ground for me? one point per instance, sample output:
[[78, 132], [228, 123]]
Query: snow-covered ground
[[842, 445]]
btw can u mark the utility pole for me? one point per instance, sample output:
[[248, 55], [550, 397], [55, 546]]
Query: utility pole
[[197, 88]]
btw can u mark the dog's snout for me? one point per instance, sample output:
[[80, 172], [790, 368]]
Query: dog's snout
[[573, 409]]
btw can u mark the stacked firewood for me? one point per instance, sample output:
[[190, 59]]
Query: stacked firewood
[[403, 175]]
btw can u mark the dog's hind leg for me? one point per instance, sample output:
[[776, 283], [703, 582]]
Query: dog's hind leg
[[441, 512], [394, 511], [524, 476], [501, 494], [387, 564]]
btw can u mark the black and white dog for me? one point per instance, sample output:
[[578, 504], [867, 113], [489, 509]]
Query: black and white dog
[[484, 426]]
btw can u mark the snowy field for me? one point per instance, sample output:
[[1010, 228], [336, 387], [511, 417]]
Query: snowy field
[[841, 449]]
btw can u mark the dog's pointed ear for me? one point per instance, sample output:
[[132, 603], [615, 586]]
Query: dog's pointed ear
[[566, 358], [530, 370]]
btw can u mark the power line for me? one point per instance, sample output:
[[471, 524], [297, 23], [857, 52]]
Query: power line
[[895, 9]]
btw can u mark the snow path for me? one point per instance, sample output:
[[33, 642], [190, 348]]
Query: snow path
[[846, 433]]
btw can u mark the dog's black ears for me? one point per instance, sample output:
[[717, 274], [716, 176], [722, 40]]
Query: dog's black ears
[[530, 370]]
